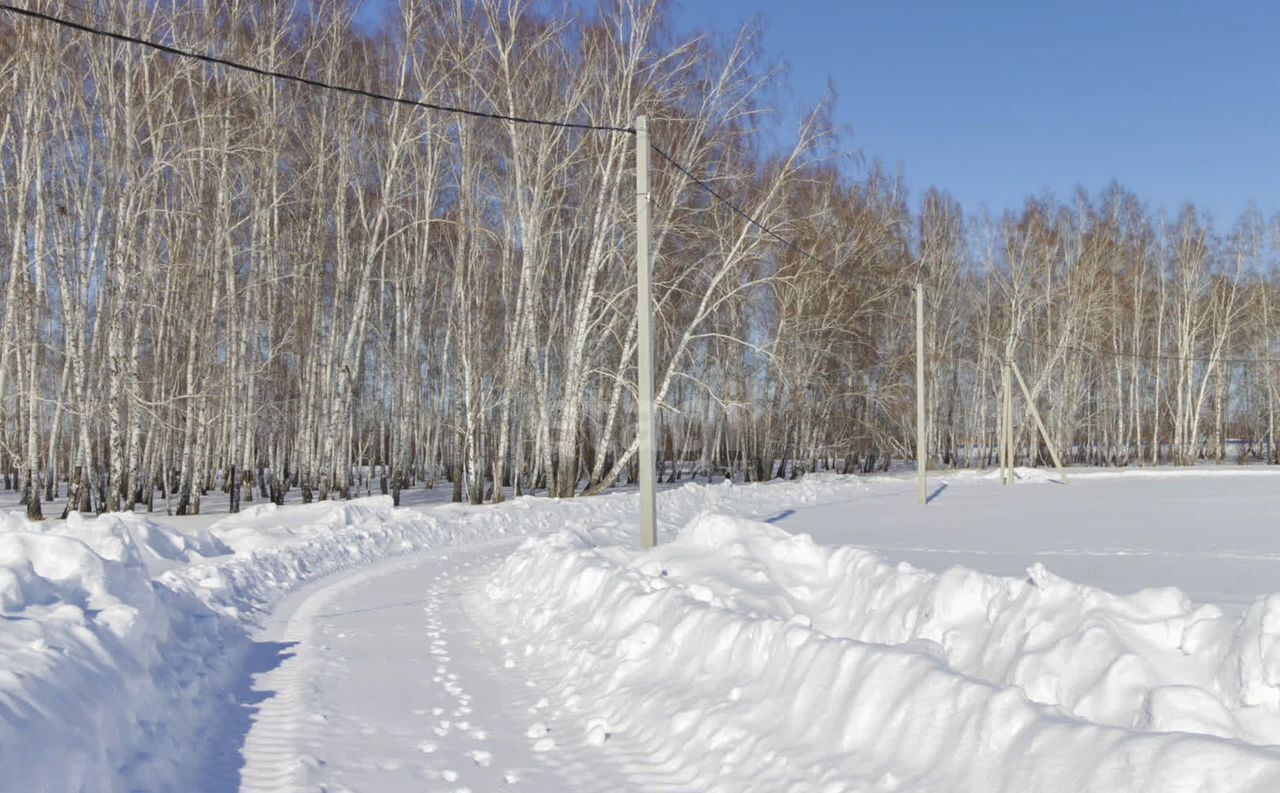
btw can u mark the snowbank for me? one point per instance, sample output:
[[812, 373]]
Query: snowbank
[[95, 659], [121, 638], [759, 660]]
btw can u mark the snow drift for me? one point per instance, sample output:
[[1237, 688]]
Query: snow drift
[[94, 658], [758, 660], [122, 639]]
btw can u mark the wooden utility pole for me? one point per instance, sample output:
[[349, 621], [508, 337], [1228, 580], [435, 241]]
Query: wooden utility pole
[[644, 316], [1006, 424], [921, 456], [1035, 414], [1000, 430]]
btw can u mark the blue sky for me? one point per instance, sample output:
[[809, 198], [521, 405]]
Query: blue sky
[[997, 100]]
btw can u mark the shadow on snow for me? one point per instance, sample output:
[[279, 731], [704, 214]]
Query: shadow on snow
[[225, 761]]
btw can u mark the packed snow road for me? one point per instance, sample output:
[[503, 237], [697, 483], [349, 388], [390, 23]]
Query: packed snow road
[[385, 683]]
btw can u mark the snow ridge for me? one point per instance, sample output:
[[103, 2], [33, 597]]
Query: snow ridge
[[760, 661], [93, 656]]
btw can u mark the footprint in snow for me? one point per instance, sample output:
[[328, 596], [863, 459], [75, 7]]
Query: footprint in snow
[[537, 730], [543, 742], [540, 704], [598, 732]]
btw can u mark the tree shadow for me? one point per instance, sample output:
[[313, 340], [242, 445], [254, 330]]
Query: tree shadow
[[936, 493], [225, 760]]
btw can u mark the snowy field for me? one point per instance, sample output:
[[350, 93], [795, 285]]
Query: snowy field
[[1117, 634], [1213, 532]]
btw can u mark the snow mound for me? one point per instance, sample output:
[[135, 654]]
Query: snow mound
[[1021, 474], [276, 551], [94, 660], [765, 662], [114, 678], [124, 537]]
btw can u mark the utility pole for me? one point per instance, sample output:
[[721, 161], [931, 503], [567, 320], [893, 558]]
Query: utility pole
[[921, 457], [1002, 432], [1006, 423], [1000, 428], [644, 348]]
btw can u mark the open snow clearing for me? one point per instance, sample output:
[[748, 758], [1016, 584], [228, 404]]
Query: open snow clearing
[[360, 647]]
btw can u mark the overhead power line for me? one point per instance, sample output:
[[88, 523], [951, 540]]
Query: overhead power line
[[738, 210], [274, 74], [271, 73]]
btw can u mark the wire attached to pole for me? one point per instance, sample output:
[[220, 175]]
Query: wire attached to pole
[[272, 73]]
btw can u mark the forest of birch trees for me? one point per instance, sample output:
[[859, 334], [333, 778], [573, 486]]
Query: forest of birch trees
[[211, 280]]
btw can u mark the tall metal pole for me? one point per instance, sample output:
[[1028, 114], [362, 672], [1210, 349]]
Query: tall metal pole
[[644, 316], [1008, 424], [1005, 463], [1000, 426], [921, 458]]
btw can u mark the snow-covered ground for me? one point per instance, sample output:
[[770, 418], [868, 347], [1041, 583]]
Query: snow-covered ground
[[1213, 532], [531, 646]]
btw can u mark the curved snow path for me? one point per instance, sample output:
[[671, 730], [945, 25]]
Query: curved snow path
[[387, 685]]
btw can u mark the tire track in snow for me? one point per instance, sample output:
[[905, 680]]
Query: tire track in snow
[[274, 760], [396, 683], [392, 687]]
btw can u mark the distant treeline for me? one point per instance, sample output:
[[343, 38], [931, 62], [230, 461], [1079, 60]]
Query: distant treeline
[[208, 278]]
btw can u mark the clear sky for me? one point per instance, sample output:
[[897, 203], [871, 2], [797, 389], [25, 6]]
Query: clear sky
[[996, 100]]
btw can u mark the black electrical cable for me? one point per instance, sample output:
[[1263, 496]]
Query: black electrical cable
[[737, 209], [271, 73], [307, 80]]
